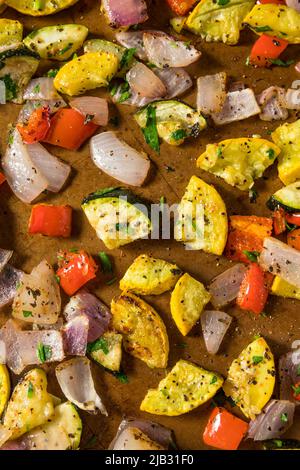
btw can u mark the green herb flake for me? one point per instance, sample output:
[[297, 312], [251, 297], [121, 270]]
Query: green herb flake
[[122, 377], [296, 389], [111, 281], [257, 359], [11, 88], [252, 255], [73, 250], [66, 48], [253, 195], [262, 29], [57, 278], [257, 336], [30, 390], [219, 152], [181, 345], [150, 131], [37, 88], [125, 92], [223, 2], [247, 62], [105, 262], [27, 313], [52, 73], [99, 344], [127, 57], [214, 380], [271, 153], [277, 442], [44, 352], [284, 418], [180, 134], [38, 4], [165, 392], [282, 63]]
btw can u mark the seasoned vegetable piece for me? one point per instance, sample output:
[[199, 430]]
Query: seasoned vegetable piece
[[287, 138], [107, 350], [61, 432], [266, 49], [150, 276], [16, 69], [75, 269], [254, 290], [4, 387], [186, 387], [224, 430], [202, 218], [275, 20], [56, 42], [175, 121], [282, 288], [287, 197], [219, 21], [11, 32], [125, 58], [133, 438], [40, 7], [30, 404], [50, 220], [188, 300], [118, 216], [80, 74], [181, 7], [251, 378], [239, 161], [144, 332]]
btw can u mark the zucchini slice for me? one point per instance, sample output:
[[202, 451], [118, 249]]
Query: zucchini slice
[[281, 444], [17, 66], [108, 351], [39, 7], [102, 45], [175, 121], [118, 216], [287, 197], [57, 42], [61, 432], [11, 32], [4, 387]]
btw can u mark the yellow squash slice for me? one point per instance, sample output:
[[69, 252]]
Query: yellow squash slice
[[217, 21], [11, 32], [239, 161], [30, 404], [188, 300], [186, 387], [275, 20], [202, 218], [282, 288], [4, 387], [144, 332], [107, 351], [150, 276], [287, 138], [39, 7], [89, 71], [251, 378]]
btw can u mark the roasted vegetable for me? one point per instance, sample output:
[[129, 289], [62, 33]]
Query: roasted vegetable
[[133, 438], [126, 60], [56, 42], [174, 121], [150, 276], [80, 74], [186, 387], [287, 138], [275, 20], [281, 444], [107, 350], [39, 8], [4, 387], [282, 288], [30, 404], [202, 218], [224, 430], [219, 21], [188, 300], [118, 216], [11, 32], [287, 197], [251, 378], [239, 161], [144, 332], [16, 69]]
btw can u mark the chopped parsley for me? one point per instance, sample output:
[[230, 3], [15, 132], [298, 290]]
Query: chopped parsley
[[37, 88], [57, 278], [127, 57], [125, 92], [253, 195], [214, 380], [271, 153], [165, 392], [30, 390], [219, 152], [27, 313], [113, 88], [179, 134], [296, 389], [99, 344], [223, 2], [11, 88], [38, 4], [44, 352], [252, 255], [111, 281], [257, 359], [284, 418], [257, 336], [66, 49], [277, 442], [105, 262], [282, 63], [122, 377], [150, 131], [52, 73], [262, 29]]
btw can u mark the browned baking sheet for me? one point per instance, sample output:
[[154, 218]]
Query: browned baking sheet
[[282, 324]]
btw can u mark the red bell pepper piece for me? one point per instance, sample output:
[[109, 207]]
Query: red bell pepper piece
[[296, 391], [53, 221], [253, 293], [181, 7], [37, 126], [275, 2], [293, 239], [224, 430], [265, 49], [2, 178], [75, 270], [69, 130], [293, 219], [279, 218]]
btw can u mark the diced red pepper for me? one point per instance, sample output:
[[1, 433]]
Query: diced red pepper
[[2, 178], [265, 49], [37, 126], [69, 130], [181, 7], [75, 270], [246, 233], [53, 221], [275, 2], [279, 221], [224, 430], [253, 293], [293, 239], [293, 219]]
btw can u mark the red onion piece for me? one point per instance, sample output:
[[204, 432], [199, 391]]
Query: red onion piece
[[214, 326], [225, 287], [238, 105], [133, 40], [125, 12], [211, 93], [5, 256], [41, 88], [274, 420], [92, 106], [288, 375], [272, 102], [144, 82], [75, 335], [176, 80], [9, 280]]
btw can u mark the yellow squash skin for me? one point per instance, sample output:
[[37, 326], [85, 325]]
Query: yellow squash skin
[[27, 410], [214, 22], [4, 387], [287, 138], [150, 276], [251, 378], [186, 387], [89, 71], [110, 359], [144, 332], [202, 218], [282, 288], [239, 161], [28, 6], [275, 20], [11, 32], [188, 300]]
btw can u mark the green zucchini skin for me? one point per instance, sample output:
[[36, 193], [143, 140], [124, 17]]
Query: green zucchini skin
[[281, 444], [117, 192], [274, 204], [22, 51]]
